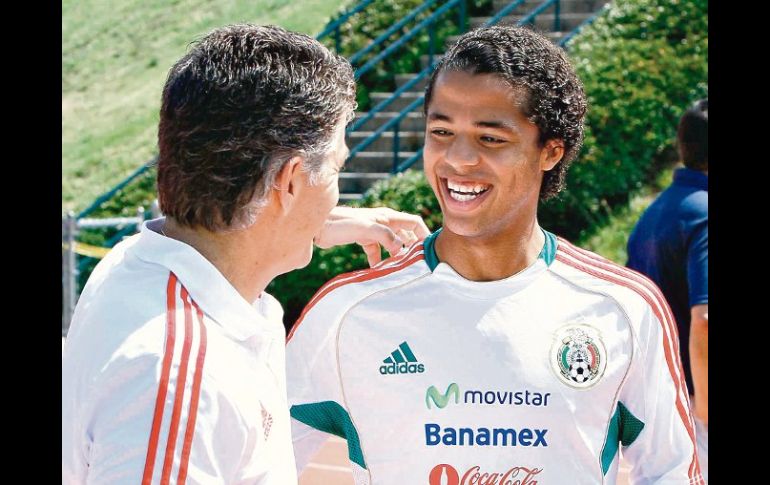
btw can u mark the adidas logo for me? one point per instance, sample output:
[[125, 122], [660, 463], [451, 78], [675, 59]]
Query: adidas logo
[[401, 361]]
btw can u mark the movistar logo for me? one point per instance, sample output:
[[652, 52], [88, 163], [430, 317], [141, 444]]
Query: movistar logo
[[401, 361], [441, 400], [475, 397]]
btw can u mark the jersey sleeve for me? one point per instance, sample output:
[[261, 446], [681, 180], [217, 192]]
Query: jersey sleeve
[[133, 421], [698, 265], [653, 419], [315, 396]]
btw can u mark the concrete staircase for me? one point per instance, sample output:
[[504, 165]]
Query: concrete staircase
[[377, 162]]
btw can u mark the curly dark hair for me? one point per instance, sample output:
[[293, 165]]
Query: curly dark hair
[[555, 101], [242, 102], [692, 136]]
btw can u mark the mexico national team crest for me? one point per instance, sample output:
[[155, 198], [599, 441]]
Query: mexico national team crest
[[578, 356]]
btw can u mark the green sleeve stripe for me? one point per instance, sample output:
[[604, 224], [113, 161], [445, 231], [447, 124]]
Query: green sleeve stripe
[[611, 443], [330, 417], [624, 429], [630, 426]]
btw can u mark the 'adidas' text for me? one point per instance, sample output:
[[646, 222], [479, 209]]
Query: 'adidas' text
[[402, 369], [401, 361]]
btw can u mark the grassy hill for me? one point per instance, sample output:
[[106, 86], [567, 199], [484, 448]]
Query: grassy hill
[[115, 58]]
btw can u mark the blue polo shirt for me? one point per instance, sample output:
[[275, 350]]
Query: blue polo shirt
[[670, 244]]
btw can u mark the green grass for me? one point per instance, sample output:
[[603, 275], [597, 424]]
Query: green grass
[[115, 58], [610, 239]]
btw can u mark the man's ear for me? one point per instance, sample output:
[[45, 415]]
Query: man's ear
[[551, 154], [288, 182]]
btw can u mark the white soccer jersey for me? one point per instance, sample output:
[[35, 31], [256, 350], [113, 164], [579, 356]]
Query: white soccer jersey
[[537, 378], [170, 376]]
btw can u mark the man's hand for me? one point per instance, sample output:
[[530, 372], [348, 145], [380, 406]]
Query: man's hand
[[371, 228]]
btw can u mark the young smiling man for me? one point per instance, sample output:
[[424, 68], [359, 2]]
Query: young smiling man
[[494, 352]]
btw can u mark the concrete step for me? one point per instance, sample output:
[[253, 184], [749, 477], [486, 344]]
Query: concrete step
[[419, 87], [407, 140], [565, 6], [413, 121], [399, 104], [543, 21], [359, 182], [377, 162]]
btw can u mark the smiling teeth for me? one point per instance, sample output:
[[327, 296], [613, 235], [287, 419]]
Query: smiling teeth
[[467, 188], [465, 192], [462, 197]]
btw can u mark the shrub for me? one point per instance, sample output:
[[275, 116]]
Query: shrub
[[643, 63]]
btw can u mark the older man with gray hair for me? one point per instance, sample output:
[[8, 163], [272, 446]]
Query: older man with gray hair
[[174, 366]]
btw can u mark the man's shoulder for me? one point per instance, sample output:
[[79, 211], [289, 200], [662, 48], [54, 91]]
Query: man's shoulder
[[694, 206], [124, 287], [103, 344], [589, 271], [122, 308], [347, 290]]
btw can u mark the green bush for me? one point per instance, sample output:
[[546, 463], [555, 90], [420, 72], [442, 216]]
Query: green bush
[[643, 62]]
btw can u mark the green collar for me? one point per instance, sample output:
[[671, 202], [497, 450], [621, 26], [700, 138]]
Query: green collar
[[547, 254]]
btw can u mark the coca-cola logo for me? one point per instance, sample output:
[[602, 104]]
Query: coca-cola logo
[[443, 475], [447, 475]]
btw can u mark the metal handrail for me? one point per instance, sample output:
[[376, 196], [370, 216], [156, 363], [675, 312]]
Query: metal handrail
[[371, 138], [410, 161], [129, 228], [576, 30], [88, 223], [557, 17], [384, 104], [422, 74], [399, 43], [503, 12], [110, 193], [71, 268], [393, 28], [531, 15]]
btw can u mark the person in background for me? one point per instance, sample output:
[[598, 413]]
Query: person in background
[[670, 244]]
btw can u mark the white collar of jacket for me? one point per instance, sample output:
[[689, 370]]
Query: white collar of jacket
[[208, 287]]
